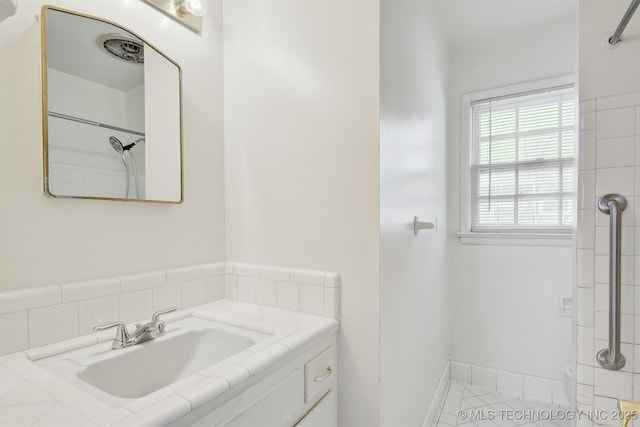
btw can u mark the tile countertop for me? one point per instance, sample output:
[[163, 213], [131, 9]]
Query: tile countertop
[[32, 396]]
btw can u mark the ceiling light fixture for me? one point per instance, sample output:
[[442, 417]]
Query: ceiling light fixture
[[187, 12]]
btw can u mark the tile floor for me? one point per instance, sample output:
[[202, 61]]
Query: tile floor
[[470, 406]]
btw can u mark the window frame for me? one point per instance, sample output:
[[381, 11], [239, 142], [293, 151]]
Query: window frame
[[561, 237]]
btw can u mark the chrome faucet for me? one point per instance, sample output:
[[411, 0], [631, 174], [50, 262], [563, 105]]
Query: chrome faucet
[[146, 332]]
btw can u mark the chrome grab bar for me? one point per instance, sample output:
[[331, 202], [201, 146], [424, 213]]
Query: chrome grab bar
[[613, 205]]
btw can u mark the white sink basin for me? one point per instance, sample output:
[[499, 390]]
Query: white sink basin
[[189, 346]]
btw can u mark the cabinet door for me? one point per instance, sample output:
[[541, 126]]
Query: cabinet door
[[324, 414]]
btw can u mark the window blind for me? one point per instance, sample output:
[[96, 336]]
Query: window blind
[[522, 173]]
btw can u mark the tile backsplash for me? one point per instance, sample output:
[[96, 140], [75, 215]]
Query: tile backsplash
[[40, 316]]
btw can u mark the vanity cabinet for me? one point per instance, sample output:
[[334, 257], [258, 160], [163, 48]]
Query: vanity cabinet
[[301, 390]]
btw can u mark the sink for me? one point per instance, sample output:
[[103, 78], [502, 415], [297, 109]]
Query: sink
[[189, 346]]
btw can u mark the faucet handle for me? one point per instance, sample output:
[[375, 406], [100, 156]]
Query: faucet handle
[[122, 335], [159, 313]]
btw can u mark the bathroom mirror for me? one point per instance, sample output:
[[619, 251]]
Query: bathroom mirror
[[112, 112]]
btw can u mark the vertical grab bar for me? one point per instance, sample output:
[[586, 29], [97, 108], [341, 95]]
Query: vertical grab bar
[[613, 205]]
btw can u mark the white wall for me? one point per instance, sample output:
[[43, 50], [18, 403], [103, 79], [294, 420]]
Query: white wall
[[610, 163], [505, 299], [301, 138], [413, 291], [72, 240]]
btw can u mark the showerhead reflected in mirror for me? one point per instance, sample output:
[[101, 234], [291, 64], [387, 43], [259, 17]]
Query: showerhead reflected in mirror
[[112, 112]]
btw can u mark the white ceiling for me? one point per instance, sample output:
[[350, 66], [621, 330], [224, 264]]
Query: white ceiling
[[468, 21], [72, 48]]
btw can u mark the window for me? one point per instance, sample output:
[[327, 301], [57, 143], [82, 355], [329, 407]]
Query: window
[[521, 176]]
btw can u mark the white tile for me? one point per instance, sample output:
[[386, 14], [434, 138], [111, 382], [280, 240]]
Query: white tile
[[602, 298], [332, 280], [626, 243], [584, 374], [616, 152], [183, 274], [247, 270], [246, 288], [602, 269], [588, 121], [136, 306], [288, 296], [618, 101], [90, 289], [53, 323], [14, 330], [193, 293], [483, 377], [587, 106], [275, 273], [586, 189], [60, 347], [585, 306], [63, 415], [161, 413], [312, 299], [266, 293], [24, 415], [213, 270], [509, 382], [559, 394], [106, 418], [307, 277], [584, 267], [204, 391], [585, 345], [602, 326], [267, 356], [167, 296], [97, 311], [231, 287], [613, 384], [636, 387], [587, 149], [30, 298], [616, 123], [142, 281], [585, 234], [460, 372], [228, 268], [615, 180], [332, 302], [214, 288], [26, 393], [536, 388]]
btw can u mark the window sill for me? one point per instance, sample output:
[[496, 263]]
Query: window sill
[[516, 239]]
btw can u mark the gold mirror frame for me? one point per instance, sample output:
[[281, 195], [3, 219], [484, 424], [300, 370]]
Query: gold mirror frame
[[45, 109]]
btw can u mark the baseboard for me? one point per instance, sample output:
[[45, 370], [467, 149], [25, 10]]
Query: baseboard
[[435, 406]]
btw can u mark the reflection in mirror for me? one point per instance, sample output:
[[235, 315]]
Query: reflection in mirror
[[112, 112]]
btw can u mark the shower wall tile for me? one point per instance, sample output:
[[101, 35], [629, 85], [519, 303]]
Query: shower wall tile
[[616, 122], [618, 101], [616, 152], [587, 149], [184, 274], [615, 180], [90, 289]]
